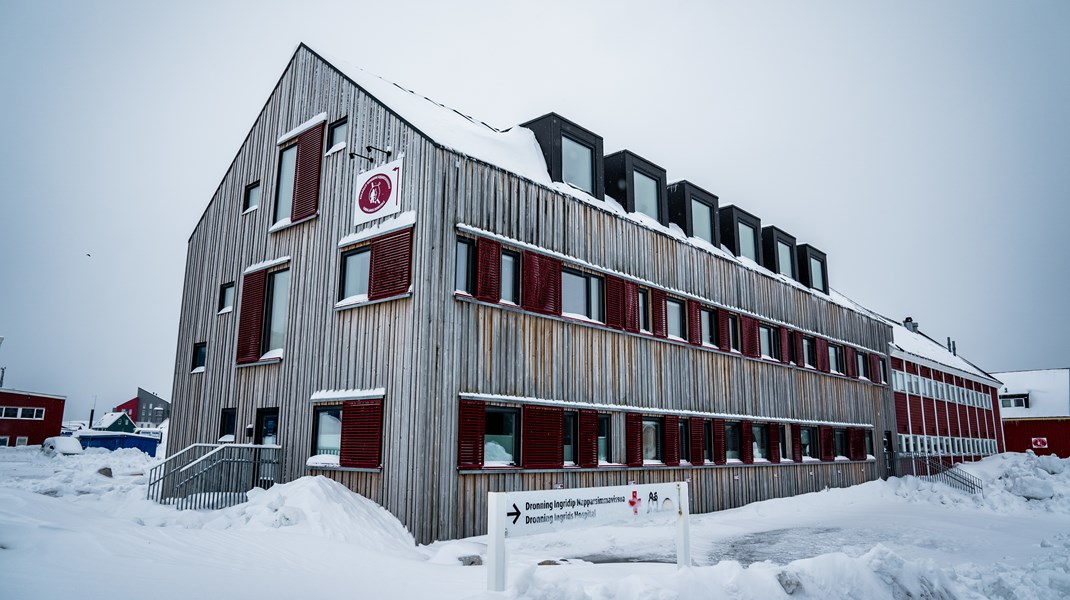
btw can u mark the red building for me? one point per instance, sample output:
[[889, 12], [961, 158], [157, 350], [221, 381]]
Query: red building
[[27, 418], [1036, 410]]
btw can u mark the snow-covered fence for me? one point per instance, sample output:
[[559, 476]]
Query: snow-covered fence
[[213, 475]]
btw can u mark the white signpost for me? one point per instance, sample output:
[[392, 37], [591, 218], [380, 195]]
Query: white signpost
[[512, 514]]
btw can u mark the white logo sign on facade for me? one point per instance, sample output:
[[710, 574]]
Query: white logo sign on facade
[[378, 193], [1040, 442]]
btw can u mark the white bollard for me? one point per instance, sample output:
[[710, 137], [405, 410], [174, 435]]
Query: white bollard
[[683, 528], [496, 566]]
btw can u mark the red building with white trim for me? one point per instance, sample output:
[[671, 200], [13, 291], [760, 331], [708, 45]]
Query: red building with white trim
[[1036, 410], [27, 418]]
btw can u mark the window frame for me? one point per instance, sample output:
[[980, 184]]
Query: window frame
[[516, 435], [345, 256], [200, 351], [269, 305], [469, 265], [608, 420], [760, 448], [292, 145], [233, 413], [334, 126], [590, 302], [737, 436], [316, 411], [684, 439], [836, 359], [775, 352], [840, 442], [515, 284], [659, 448], [710, 337], [246, 206], [814, 435], [570, 428], [223, 306], [734, 338], [643, 307], [682, 306], [563, 135], [659, 185], [809, 344]]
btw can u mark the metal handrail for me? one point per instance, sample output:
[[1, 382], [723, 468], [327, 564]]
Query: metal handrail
[[214, 475], [943, 470]]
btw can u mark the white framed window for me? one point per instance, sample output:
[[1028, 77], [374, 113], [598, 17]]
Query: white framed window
[[581, 295], [4, 441], [675, 319], [22, 440]]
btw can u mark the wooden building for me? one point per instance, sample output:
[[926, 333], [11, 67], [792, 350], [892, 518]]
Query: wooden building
[[1035, 407], [28, 418], [427, 309]]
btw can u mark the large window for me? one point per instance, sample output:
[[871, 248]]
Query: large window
[[501, 441], [748, 241], [709, 327], [839, 441], [200, 356], [604, 439], [226, 297], [836, 358], [510, 277], [674, 315], [581, 294], [228, 424], [808, 439], [817, 273], [278, 296], [568, 438], [644, 311], [577, 164], [646, 194], [769, 338], [784, 262], [701, 220], [251, 197], [464, 273], [284, 188], [653, 438], [760, 431], [356, 272], [732, 443], [327, 430], [809, 352]]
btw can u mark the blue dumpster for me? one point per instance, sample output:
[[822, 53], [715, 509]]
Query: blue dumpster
[[114, 440]]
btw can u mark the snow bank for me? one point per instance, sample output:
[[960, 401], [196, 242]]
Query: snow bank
[[1012, 482]]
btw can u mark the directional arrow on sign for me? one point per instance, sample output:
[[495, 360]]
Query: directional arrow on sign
[[515, 514]]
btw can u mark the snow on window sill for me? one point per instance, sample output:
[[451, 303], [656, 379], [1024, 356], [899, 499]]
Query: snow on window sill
[[498, 464], [197, 370], [656, 463], [603, 463], [760, 460], [568, 463], [786, 460], [323, 460], [733, 461], [811, 459], [685, 463], [710, 346], [675, 338], [250, 209], [335, 148], [362, 300], [275, 354], [841, 459], [870, 457], [508, 302], [579, 317], [224, 311], [646, 331], [227, 439], [287, 223]]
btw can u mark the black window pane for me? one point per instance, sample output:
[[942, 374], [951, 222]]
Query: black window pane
[[499, 442], [569, 438], [731, 440], [685, 440], [338, 134], [644, 314], [252, 197]]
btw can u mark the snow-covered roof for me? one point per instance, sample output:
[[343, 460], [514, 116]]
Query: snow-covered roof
[[1048, 389], [109, 419], [38, 394]]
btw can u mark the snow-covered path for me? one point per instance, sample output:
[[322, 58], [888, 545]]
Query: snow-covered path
[[67, 530]]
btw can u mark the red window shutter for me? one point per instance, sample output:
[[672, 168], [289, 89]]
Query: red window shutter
[[897, 364], [773, 431], [615, 292], [785, 347], [723, 334], [660, 323], [471, 429], [718, 442], [587, 449], [851, 366], [251, 318], [749, 330], [698, 441], [746, 436], [362, 434], [858, 444], [828, 450], [694, 322], [822, 355], [307, 174], [796, 443], [391, 265], [540, 290], [631, 306], [874, 367], [542, 437], [633, 433], [672, 441], [488, 270], [800, 358]]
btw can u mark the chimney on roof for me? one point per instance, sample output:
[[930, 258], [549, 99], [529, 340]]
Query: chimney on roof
[[953, 348], [910, 324]]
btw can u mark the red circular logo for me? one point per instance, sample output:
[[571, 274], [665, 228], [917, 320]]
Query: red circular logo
[[375, 194]]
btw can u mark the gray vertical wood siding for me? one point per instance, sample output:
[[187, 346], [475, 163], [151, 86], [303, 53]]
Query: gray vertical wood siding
[[428, 348]]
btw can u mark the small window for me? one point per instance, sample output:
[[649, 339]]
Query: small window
[[883, 370], [701, 220], [604, 443], [39, 413], [284, 188], [769, 338], [28, 413], [809, 352], [685, 439], [337, 133], [11, 412], [568, 438], [226, 297], [839, 440], [862, 364], [356, 272], [1007, 403], [501, 437], [510, 277], [581, 294], [464, 273], [327, 431], [760, 432], [653, 439], [22, 440], [808, 439], [577, 164], [228, 421], [644, 311], [252, 197], [646, 195], [731, 441], [836, 358], [817, 273], [200, 356], [785, 441], [733, 332], [709, 327], [784, 263], [674, 316], [748, 244], [277, 310], [5, 441], [707, 446]]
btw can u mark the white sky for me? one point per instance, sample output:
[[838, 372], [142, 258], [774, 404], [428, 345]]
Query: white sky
[[924, 146]]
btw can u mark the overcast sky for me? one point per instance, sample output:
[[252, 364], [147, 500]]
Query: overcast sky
[[925, 146]]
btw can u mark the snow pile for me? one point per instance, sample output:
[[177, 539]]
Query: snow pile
[[79, 475]]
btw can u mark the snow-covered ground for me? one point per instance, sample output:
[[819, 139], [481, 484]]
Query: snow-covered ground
[[66, 530]]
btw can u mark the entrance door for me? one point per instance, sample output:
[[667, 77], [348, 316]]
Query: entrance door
[[889, 456], [267, 426], [265, 460]]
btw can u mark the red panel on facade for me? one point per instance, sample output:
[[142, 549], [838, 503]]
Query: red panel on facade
[[307, 174], [660, 324], [796, 444], [912, 368], [774, 442], [1054, 433], [856, 445], [615, 304], [823, 355], [633, 434], [746, 437], [828, 447], [724, 335], [362, 434], [34, 430], [897, 364], [916, 416], [471, 428], [542, 437], [697, 428], [718, 442], [251, 317], [902, 425], [672, 441], [875, 368], [749, 330], [391, 265], [926, 372], [631, 306], [1000, 441], [850, 362], [785, 345], [587, 449], [540, 290], [694, 322], [488, 270]]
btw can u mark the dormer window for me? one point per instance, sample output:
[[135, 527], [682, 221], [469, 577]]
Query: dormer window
[[785, 264], [779, 250], [694, 210], [637, 184], [813, 267], [573, 154], [646, 194], [740, 232], [748, 242], [817, 270]]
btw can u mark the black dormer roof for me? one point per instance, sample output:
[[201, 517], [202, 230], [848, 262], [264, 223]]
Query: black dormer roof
[[620, 168], [680, 208], [771, 235], [730, 217], [549, 129], [804, 252]]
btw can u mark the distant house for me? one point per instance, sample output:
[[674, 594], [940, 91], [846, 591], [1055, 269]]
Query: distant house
[[146, 409], [27, 418], [1036, 410], [115, 421]]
